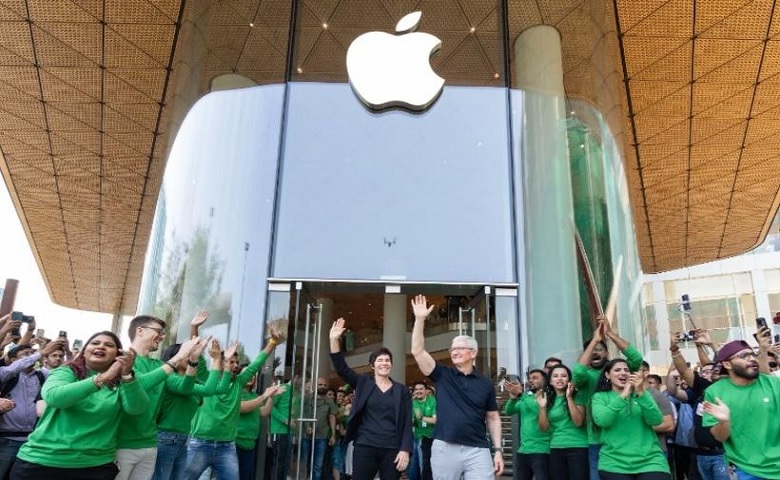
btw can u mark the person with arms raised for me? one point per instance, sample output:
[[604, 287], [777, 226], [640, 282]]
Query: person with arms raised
[[381, 418], [465, 406]]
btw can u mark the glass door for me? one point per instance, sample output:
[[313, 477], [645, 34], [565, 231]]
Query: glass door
[[474, 320], [306, 344]]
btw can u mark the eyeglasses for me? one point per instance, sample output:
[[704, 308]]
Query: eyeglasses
[[159, 331], [745, 355], [458, 349]]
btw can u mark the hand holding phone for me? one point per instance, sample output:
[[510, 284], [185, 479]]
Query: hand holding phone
[[63, 334]]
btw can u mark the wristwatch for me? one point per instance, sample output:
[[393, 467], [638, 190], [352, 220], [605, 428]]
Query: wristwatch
[[129, 377]]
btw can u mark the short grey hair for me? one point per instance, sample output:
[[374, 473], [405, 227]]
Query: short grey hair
[[470, 341]]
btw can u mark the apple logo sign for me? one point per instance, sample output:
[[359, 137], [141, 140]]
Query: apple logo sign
[[388, 71]]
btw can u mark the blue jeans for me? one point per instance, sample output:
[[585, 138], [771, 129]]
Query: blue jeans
[[712, 467], [171, 455], [593, 460], [220, 456], [742, 475], [414, 472], [320, 445], [8, 450]]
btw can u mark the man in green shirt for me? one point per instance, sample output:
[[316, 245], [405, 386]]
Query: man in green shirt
[[586, 373], [423, 423], [744, 413], [533, 456], [137, 436], [214, 428], [282, 413]]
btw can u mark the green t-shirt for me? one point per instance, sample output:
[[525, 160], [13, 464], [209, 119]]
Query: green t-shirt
[[586, 378], [754, 442], [532, 438], [629, 441], [423, 408], [78, 428], [217, 417], [248, 424], [564, 433], [141, 431], [280, 413], [177, 410]]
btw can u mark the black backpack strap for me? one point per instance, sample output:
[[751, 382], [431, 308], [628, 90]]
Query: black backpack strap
[[9, 385]]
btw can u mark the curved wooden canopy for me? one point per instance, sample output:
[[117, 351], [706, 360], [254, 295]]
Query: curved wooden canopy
[[92, 93]]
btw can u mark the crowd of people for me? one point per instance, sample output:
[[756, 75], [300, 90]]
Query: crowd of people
[[109, 412]]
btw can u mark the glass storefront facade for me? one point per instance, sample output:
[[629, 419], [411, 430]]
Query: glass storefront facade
[[298, 180], [294, 200]]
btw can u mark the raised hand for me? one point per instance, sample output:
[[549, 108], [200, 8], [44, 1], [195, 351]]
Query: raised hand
[[215, 352], [719, 410], [197, 350], [231, 350], [277, 331], [639, 382], [337, 330], [199, 318], [185, 349], [629, 386], [764, 337], [515, 389], [702, 337], [420, 307], [541, 399], [271, 391], [127, 360], [569, 390]]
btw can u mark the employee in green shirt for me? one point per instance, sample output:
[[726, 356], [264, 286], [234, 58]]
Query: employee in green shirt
[[626, 414], [562, 412], [743, 412], [76, 436], [248, 429], [586, 373], [136, 452], [533, 456], [214, 428], [177, 410], [423, 423]]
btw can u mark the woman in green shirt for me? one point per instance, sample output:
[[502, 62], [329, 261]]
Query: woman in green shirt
[[76, 436], [562, 411], [627, 414]]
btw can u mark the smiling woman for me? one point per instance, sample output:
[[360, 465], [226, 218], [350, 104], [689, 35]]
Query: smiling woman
[[76, 436], [381, 417]]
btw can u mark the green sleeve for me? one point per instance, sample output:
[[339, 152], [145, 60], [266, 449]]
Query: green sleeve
[[134, 399], [224, 383], [581, 398], [62, 390], [512, 406], [150, 379], [651, 414], [252, 368], [606, 408], [579, 376], [181, 384], [208, 388], [277, 413], [633, 358]]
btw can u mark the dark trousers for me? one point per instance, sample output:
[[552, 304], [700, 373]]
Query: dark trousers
[[246, 463], [25, 471], [532, 466], [367, 461], [281, 456], [569, 464], [637, 476], [683, 463], [425, 445]]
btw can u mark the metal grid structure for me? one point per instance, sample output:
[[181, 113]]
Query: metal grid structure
[[92, 93]]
